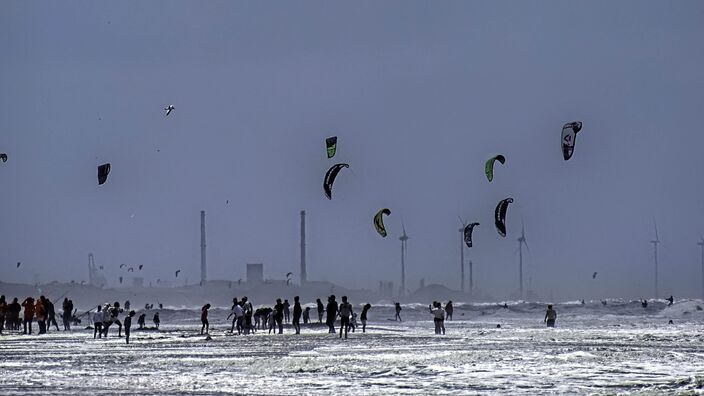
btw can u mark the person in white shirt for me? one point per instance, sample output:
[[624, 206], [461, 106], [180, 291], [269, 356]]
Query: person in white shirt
[[438, 317], [98, 322]]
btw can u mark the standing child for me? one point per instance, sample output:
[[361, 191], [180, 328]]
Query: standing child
[[128, 324]]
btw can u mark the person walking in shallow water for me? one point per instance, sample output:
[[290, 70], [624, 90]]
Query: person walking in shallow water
[[204, 319], [321, 309], [98, 323], [550, 316], [363, 317], [448, 310], [398, 312], [332, 314], [345, 313], [297, 312], [128, 324]]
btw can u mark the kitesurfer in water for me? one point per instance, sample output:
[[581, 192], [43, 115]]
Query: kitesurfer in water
[[671, 300], [204, 319], [297, 312], [398, 312], [332, 314], [644, 303], [363, 317], [321, 309], [550, 316]]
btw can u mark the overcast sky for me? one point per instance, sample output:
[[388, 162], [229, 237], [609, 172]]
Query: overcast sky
[[419, 93]]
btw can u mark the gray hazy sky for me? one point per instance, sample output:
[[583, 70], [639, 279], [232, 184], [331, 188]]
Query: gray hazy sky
[[419, 93]]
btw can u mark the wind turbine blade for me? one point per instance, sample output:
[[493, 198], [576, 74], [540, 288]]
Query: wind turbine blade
[[656, 232], [461, 221], [526, 243]]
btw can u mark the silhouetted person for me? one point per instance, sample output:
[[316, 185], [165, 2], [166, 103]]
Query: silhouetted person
[[321, 309], [204, 319], [332, 314], [40, 314], [297, 312], [156, 320], [98, 323], [671, 300], [644, 303], [398, 312], [50, 314], [28, 305], [279, 315], [550, 316], [448, 310], [113, 313], [13, 311], [3, 312], [306, 315], [67, 308], [127, 305], [140, 321], [345, 311], [287, 312], [128, 324], [363, 317]]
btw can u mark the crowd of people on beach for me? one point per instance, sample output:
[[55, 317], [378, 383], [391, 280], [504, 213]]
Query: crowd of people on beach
[[16, 316]]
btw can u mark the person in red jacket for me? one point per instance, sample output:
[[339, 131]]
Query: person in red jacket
[[40, 313], [28, 305]]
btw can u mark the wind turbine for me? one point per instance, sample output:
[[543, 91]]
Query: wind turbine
[[521, 241], [701, 243], [403, 238], [655, 243], [462, 254]]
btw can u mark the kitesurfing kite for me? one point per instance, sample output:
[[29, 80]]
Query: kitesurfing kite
[[288, 274], [468, 233], [288, 282], [331, 146], [103, 172], [379, 221], [489, 165], [330, 178], [177, 271], [123, 265], [569, 135], [140, 266], [18, 264], [83, 282], [130, 269], [168, 109], [594, 275], [500, 216], [3, 157]]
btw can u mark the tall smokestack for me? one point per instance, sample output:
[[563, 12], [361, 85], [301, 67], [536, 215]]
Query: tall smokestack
[[203, 272], [304, 274]]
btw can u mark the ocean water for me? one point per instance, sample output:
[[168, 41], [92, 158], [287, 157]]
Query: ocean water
[[619, 348]]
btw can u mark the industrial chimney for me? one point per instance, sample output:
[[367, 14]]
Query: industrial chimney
[[203, 272], [304, 274]]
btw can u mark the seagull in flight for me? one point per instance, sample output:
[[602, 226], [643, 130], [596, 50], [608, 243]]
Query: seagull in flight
[[168, 109]]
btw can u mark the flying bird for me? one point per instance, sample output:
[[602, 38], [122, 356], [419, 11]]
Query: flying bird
[[177, 271], [168, 109]]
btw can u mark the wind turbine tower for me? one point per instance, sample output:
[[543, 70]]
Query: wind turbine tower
[[462, 258], [701, 243], [655, 243], [521, 241], [403, 238]]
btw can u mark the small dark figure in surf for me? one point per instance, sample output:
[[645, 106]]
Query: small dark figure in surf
[[279, 316], [297, 312], [505, 306], [306, 315], [140, 320], [550, 316], [671, 300], [50, 314], [321, 309], [204, 319], [98, 322], [128, 324], [448, 310], [67, 307], [156, 320], [363, 317], [345, 313], [127, 305], [332, 314], [644, 303], [582, 301], [287, 312], [603, 302], [398, 312]]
